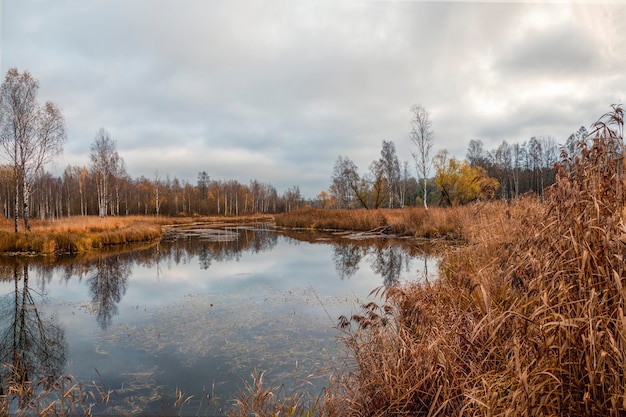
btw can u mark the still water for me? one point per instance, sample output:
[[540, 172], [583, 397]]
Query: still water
[[198, 312]]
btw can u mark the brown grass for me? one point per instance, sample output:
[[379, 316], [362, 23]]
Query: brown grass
[[77, 234], [259, 399], [85, 233], [527, 319], [61, 398], [417, 222]]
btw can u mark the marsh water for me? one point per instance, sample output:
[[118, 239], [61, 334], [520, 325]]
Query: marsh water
[[198, 312]]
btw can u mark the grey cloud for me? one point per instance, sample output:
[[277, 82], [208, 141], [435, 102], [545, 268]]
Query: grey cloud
[[277, 89], [557, 52]]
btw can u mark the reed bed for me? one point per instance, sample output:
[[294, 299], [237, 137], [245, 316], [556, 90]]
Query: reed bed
[[416, 222], [527, 318], [77, 234], [60, 398]]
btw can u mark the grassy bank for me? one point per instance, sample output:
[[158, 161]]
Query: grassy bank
[[436, 222], [86, 233], [76, 234], [527, 318]]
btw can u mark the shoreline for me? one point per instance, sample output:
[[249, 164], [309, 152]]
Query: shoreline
[[81, 234]]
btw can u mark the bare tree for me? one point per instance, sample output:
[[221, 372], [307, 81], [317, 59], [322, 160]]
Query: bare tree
[[422, 138], [293, 198], [105, 162], [157, 183], [403, 182], [346, 184], [476, 154], [31, 135]]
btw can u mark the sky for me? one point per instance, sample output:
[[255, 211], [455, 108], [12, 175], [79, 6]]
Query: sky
[[276, 90]]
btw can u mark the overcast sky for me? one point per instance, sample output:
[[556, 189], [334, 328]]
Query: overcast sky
[[276, 90]]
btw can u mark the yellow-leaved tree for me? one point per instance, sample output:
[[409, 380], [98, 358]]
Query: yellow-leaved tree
[[459, 182]]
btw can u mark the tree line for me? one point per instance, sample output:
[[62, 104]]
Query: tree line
[[506, 172], [31, 135]]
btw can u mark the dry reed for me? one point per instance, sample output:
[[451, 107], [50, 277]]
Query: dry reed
[[417, 222], [62, 398], [78, 234], [527, 318]]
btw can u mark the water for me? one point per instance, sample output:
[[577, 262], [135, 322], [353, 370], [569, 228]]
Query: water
[[198, 312]]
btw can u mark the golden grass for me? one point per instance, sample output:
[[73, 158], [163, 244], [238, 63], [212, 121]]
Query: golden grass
[[527, 319], [415, 221], [77, 234], [85, 233]]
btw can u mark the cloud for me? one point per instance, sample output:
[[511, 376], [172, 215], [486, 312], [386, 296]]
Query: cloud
[[276, 89]]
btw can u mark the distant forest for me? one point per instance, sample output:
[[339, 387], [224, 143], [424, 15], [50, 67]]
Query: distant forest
[[519, 169], [31, 135]]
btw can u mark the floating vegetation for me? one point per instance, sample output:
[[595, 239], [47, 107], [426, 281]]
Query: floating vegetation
[[261, 329], [204, 234], [178, 327]]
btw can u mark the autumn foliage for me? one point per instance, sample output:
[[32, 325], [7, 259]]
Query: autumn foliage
[[460, 183], [527, 318]]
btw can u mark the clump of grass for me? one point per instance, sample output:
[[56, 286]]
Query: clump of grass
[[416, 222], [526, 319], [259, 399], [63, 397]]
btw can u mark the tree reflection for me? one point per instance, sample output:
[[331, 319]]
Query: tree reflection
[[107, 285], [347, 257], [217, 248], [33, 347], [387, 262]]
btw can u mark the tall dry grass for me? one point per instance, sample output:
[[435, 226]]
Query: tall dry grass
[[415, 221], [78, 234], [61, 398], [527, 318]]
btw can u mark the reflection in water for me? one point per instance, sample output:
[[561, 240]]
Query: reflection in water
[[347, 258], [211, 246], [215, 328], [32, 347], [107, 285], [387, 262], [387, 258]]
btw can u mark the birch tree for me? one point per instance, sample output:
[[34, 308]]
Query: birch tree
[[390, 170], [422, 138], [31, 135], [105, 163]]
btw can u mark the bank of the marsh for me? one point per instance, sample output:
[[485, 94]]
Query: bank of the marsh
[[526, 319], [80, 234], [434, 223]]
